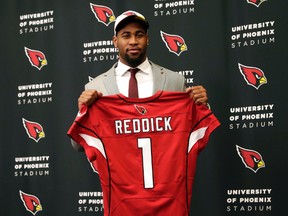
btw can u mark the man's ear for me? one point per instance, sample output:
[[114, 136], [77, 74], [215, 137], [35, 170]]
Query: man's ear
[[114, 39]]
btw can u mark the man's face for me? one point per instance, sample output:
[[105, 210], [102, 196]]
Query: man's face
[[132, 41]]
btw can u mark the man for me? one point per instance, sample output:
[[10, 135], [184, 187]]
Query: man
[[144, 148], [131, 38]]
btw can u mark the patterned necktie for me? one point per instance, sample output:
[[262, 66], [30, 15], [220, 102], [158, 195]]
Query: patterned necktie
[[133, 87]]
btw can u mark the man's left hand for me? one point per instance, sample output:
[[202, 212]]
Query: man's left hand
[[198, 94]]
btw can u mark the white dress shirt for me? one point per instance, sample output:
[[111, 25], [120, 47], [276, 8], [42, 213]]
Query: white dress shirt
[[144, 79]]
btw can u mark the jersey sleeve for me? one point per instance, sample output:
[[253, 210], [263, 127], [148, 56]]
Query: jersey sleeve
[[84, 133], [204, 123]]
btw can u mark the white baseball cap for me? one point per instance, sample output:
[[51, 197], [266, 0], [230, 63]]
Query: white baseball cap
[[129, 16]]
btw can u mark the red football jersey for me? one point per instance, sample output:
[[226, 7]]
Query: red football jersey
[[144, 150]]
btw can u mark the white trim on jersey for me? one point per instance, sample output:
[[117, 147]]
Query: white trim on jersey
[[195, 136], [94, 142]]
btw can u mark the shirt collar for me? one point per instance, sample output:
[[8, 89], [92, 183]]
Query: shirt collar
[[121, 68]]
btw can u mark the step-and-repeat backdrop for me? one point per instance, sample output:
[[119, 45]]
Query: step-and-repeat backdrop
[[237, 49]]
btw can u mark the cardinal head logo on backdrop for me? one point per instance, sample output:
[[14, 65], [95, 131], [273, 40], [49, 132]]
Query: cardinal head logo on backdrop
[[256, 2], [33, 129], [250, 158], [31, 202], [174, 43], [103, 14], [36, 58], [253, 76]]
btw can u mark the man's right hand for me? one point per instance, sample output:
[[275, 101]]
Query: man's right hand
[[88, 97]]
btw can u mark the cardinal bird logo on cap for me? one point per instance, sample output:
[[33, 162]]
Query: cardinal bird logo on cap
[[142, 110], [33, 129], [256, 2], [36, 58], [103, 14], [252, 75], [174, 43], [251, 159], [129, 13], [31, 202]]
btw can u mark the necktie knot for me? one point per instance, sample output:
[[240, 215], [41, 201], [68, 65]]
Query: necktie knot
[[133, 86], [133, 70]]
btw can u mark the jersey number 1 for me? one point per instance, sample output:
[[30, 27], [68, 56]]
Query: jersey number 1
[[145, 145]]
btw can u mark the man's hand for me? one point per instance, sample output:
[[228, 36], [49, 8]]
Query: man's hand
[[198, 94], [88, 97]]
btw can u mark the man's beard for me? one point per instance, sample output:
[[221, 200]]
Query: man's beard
[[134, 62]]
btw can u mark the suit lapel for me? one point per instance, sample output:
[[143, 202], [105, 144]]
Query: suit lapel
[[109, 81]]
